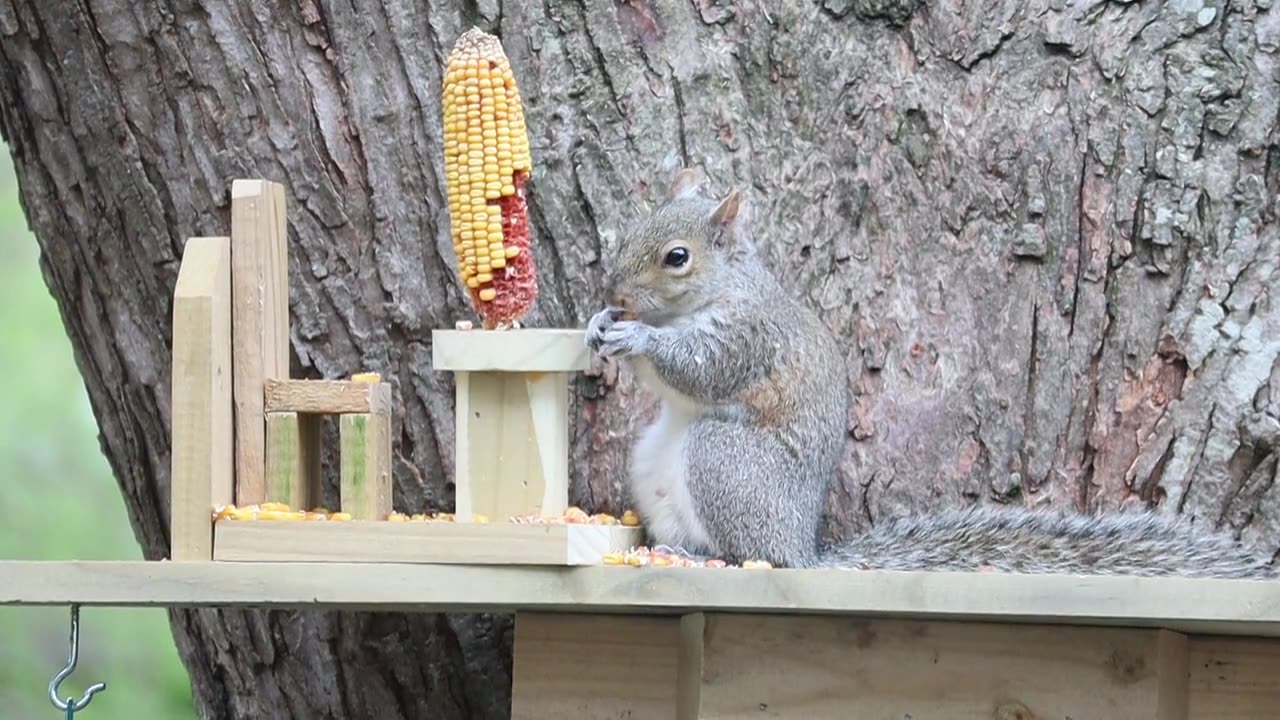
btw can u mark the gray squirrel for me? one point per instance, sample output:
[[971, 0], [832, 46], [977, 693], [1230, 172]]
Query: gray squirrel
[[753, 404]]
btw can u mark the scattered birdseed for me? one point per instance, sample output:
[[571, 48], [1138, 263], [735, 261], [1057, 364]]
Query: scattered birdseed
[[280, 511], [664, 556]]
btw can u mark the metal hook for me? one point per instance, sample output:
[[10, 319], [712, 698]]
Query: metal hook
[[72, 705]]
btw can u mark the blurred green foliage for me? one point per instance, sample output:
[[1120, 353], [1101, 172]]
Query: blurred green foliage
[[60, 502]]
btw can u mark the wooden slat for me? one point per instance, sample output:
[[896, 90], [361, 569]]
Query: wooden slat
[[364, 483], [689, 682], [1172, 669], [784, 666], [1234, 678], [512, 444], [293, 459], [549, 421], [417, 542], [1205, 606], [260, 321], [202, 453], [523, 350], [594, 666], [326, 397]]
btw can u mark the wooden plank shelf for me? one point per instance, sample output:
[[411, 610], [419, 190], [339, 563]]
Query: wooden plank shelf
[[1223, 607], [381, 541]]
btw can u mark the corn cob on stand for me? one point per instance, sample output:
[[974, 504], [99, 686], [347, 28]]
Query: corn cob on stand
[[593, 641]]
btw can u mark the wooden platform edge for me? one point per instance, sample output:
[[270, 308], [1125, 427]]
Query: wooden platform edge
[[1207, 606], [377, 541], [520, 350]]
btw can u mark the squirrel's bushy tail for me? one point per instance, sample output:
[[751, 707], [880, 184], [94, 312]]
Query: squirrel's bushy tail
[[1033, 541]]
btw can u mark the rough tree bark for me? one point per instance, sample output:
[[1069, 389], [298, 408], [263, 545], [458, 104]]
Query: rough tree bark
[[1046, 229]]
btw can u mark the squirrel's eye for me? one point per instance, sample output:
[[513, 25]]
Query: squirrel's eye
[[676, 257]]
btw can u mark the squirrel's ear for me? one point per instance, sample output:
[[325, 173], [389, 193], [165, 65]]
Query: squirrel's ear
[[686, 182], [727, 212], [728, 219]]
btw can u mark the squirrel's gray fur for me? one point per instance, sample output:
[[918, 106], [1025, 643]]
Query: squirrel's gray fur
[[752, 422]]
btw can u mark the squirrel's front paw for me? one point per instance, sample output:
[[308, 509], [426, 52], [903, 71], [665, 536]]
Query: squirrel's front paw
[[598, 326], [624, 337]]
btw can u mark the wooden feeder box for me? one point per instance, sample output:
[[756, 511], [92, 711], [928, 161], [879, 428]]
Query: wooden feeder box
[[244, 432]]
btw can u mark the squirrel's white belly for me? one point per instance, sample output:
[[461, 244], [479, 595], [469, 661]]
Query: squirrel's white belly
[[658, 485]]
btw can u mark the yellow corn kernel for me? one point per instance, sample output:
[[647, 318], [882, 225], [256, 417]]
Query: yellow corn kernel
[[366, 378], [340, 516], [497, 262], [512, 252], [244, 514], [275, 506], [483, 278], [630, 519], [488, 294], [398, 517], [756, 565], [281, 515], [420, 517], [612, 559], [477, 517]]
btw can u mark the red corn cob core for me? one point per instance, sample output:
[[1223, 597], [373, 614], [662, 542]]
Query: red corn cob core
[[516, 285]]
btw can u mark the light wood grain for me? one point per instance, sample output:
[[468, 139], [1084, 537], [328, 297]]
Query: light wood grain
[[549, 421], [416, 542], [364, 483], [512, 444], [1172, 658], [1203, 606], [1234, 678], [783, 666], [260, 321], [326, 397], [689, 682], [202, 452], [522, 350], [293, 459], [594, 666]]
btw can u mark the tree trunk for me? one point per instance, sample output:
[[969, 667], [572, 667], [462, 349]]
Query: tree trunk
[[1047, 231]]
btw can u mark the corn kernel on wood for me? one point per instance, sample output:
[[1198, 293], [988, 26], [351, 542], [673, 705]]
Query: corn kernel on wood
[[280, 511], [666, 557], [487, 162]]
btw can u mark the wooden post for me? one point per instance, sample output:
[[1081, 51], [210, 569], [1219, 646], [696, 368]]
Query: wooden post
[[202, 454], [511, 417], [293, 459], [365, 482], [260, 321]]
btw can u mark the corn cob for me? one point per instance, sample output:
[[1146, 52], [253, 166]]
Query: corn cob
[[487, 162]]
